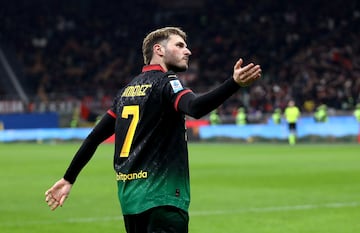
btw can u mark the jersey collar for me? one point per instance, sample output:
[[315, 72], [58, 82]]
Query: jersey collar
[[153, 67]]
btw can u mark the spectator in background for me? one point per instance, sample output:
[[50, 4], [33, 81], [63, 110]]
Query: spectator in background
[[276, 116], [241, 117], [292, 114], [357, 112], [321, 114], [314, 63], [214, 118]]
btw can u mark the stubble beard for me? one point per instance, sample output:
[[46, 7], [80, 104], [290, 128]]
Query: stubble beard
[[175, 63], [177, 68]]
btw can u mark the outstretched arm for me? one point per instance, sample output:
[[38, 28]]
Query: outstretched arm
[[244, 76], [58, 193], [197, 106]]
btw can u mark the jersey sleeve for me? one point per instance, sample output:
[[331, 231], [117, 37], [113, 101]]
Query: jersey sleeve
[[187, 102], [104, 129], [174, 90], [199, 105]]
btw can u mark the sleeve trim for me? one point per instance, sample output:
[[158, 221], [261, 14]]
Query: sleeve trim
[[178, 97], [111, 113]]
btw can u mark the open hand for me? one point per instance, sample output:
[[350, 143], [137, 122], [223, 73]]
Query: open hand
[[246, 75], [57, 194]]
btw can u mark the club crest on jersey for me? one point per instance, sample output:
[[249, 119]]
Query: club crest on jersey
[[176, 85]]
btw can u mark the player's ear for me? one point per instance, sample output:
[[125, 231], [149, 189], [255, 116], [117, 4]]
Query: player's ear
[[159, 50]]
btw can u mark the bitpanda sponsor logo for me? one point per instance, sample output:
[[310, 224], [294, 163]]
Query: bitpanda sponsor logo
[[132, 176]]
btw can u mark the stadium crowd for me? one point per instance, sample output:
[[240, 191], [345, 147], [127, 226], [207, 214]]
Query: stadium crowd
[[309, 50]]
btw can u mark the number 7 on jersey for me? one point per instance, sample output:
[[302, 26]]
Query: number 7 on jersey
[[127, 111]]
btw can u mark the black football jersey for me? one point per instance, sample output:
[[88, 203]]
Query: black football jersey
[[151, 156]]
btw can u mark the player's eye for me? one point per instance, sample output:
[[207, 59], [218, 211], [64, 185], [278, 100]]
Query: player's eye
[[180, 45]]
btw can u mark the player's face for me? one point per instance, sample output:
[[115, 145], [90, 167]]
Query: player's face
[[176, 56]]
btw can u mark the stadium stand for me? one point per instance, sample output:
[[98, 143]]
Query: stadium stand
[[76, 50]]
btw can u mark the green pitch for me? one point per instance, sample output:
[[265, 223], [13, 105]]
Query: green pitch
[[259, 188]]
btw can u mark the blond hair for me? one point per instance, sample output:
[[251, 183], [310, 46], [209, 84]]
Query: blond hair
[[156, 37]]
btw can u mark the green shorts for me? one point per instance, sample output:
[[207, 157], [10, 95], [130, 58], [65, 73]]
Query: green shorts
[[162, 219]]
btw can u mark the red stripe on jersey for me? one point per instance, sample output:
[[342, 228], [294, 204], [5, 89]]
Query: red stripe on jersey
[[153, 67], [179, 97], [111, 113]]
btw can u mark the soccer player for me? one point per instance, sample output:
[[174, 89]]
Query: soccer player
[[214, 118], [276, 116], [357, 112], [241, 118], [321, 114], [148, 119], [292, 114]]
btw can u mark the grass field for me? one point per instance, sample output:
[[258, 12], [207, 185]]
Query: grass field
[[258, 188]]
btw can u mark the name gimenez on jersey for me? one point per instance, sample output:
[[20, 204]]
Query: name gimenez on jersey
[[131, 176], [136, 90]]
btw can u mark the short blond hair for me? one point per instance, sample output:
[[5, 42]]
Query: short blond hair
[[156, 37]]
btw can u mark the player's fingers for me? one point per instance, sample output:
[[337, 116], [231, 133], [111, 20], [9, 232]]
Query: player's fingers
[[62, 200], [238, 64], [48, 195], [48, 192], [50, 201], [253, 74], [47, 198], [255, 69], [246, 69], [245, 72], [250, 70], [54, 205], [250, 77]]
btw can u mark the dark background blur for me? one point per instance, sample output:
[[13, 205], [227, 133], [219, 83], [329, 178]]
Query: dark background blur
[[66, 53]]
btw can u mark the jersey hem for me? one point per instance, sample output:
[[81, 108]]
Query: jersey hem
[[181, 204]]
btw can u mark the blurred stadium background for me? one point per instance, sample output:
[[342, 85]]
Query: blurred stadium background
[[61, 62]]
